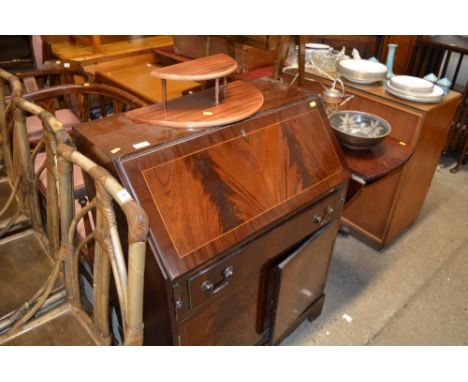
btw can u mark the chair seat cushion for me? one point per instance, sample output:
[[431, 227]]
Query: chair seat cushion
[[34, 125]]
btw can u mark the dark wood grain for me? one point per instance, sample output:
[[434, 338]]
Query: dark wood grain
[[301, 279], [240, 194], [199, 110], [231, 321], [311, 160], [252, 256], [403, 53], [378, 161], [208, 189]]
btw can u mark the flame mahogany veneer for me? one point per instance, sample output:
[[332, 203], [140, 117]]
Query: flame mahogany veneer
[[243, 217]]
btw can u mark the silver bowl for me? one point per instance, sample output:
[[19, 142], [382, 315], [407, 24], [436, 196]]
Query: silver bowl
[[358, 130]]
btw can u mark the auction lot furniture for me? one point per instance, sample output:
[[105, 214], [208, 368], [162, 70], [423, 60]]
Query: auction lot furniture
[[86, 55], [40, 292], [137, 80], [243, 217], [386, 206]]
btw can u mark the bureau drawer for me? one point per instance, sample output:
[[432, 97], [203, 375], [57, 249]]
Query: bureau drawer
[[228, 272]]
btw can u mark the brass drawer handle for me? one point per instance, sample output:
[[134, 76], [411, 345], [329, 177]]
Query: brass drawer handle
[[318, 219], [210, 287]]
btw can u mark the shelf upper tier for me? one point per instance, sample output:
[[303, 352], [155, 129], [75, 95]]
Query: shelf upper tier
[[201, 69]]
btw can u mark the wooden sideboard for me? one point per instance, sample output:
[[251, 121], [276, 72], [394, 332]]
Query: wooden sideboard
[[243, 217], [386, 206]]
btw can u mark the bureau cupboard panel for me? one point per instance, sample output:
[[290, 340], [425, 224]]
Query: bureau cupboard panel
[[301, 279], [222, 276], [233, 320]]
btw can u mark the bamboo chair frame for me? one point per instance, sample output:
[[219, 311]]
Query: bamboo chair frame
[[16, 159], [108, 253], [49, 98]]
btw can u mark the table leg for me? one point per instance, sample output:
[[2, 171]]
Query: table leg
[[217, 91], [224, 87], [163, 91]]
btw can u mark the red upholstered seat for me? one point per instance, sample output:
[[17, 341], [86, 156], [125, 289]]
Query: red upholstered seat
[[66, 116]]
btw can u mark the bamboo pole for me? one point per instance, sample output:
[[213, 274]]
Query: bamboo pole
[[136, 270], [101, 280], [60, 157], [138, 230]]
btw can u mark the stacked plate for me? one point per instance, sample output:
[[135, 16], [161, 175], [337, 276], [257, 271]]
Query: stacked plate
[[414, 89], [362, 71]]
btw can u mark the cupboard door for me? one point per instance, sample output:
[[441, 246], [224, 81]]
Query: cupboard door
[[301, 280], [233, 319]]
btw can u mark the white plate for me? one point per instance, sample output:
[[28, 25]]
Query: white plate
[[363, 66], [359, 81], [434, 97], [437, 91], [412, 84], [315, 46]]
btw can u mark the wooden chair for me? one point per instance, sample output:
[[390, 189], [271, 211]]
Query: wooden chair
[[86, 102], [53, 73], [458, 136], [69, 323]]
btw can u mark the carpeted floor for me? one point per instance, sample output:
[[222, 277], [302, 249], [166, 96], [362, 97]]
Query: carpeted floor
[[414, 292]]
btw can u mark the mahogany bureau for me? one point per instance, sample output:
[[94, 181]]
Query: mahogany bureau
[[243, 218]]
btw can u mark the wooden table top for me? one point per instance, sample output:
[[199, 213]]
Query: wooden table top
[[85, 54], [378, 90], [378, 161], [137, 80], [200, 69]]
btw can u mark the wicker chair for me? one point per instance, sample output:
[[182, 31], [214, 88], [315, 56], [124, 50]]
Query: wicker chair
[[16, 194], [25, 251], [87, 101], [68, 323]]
